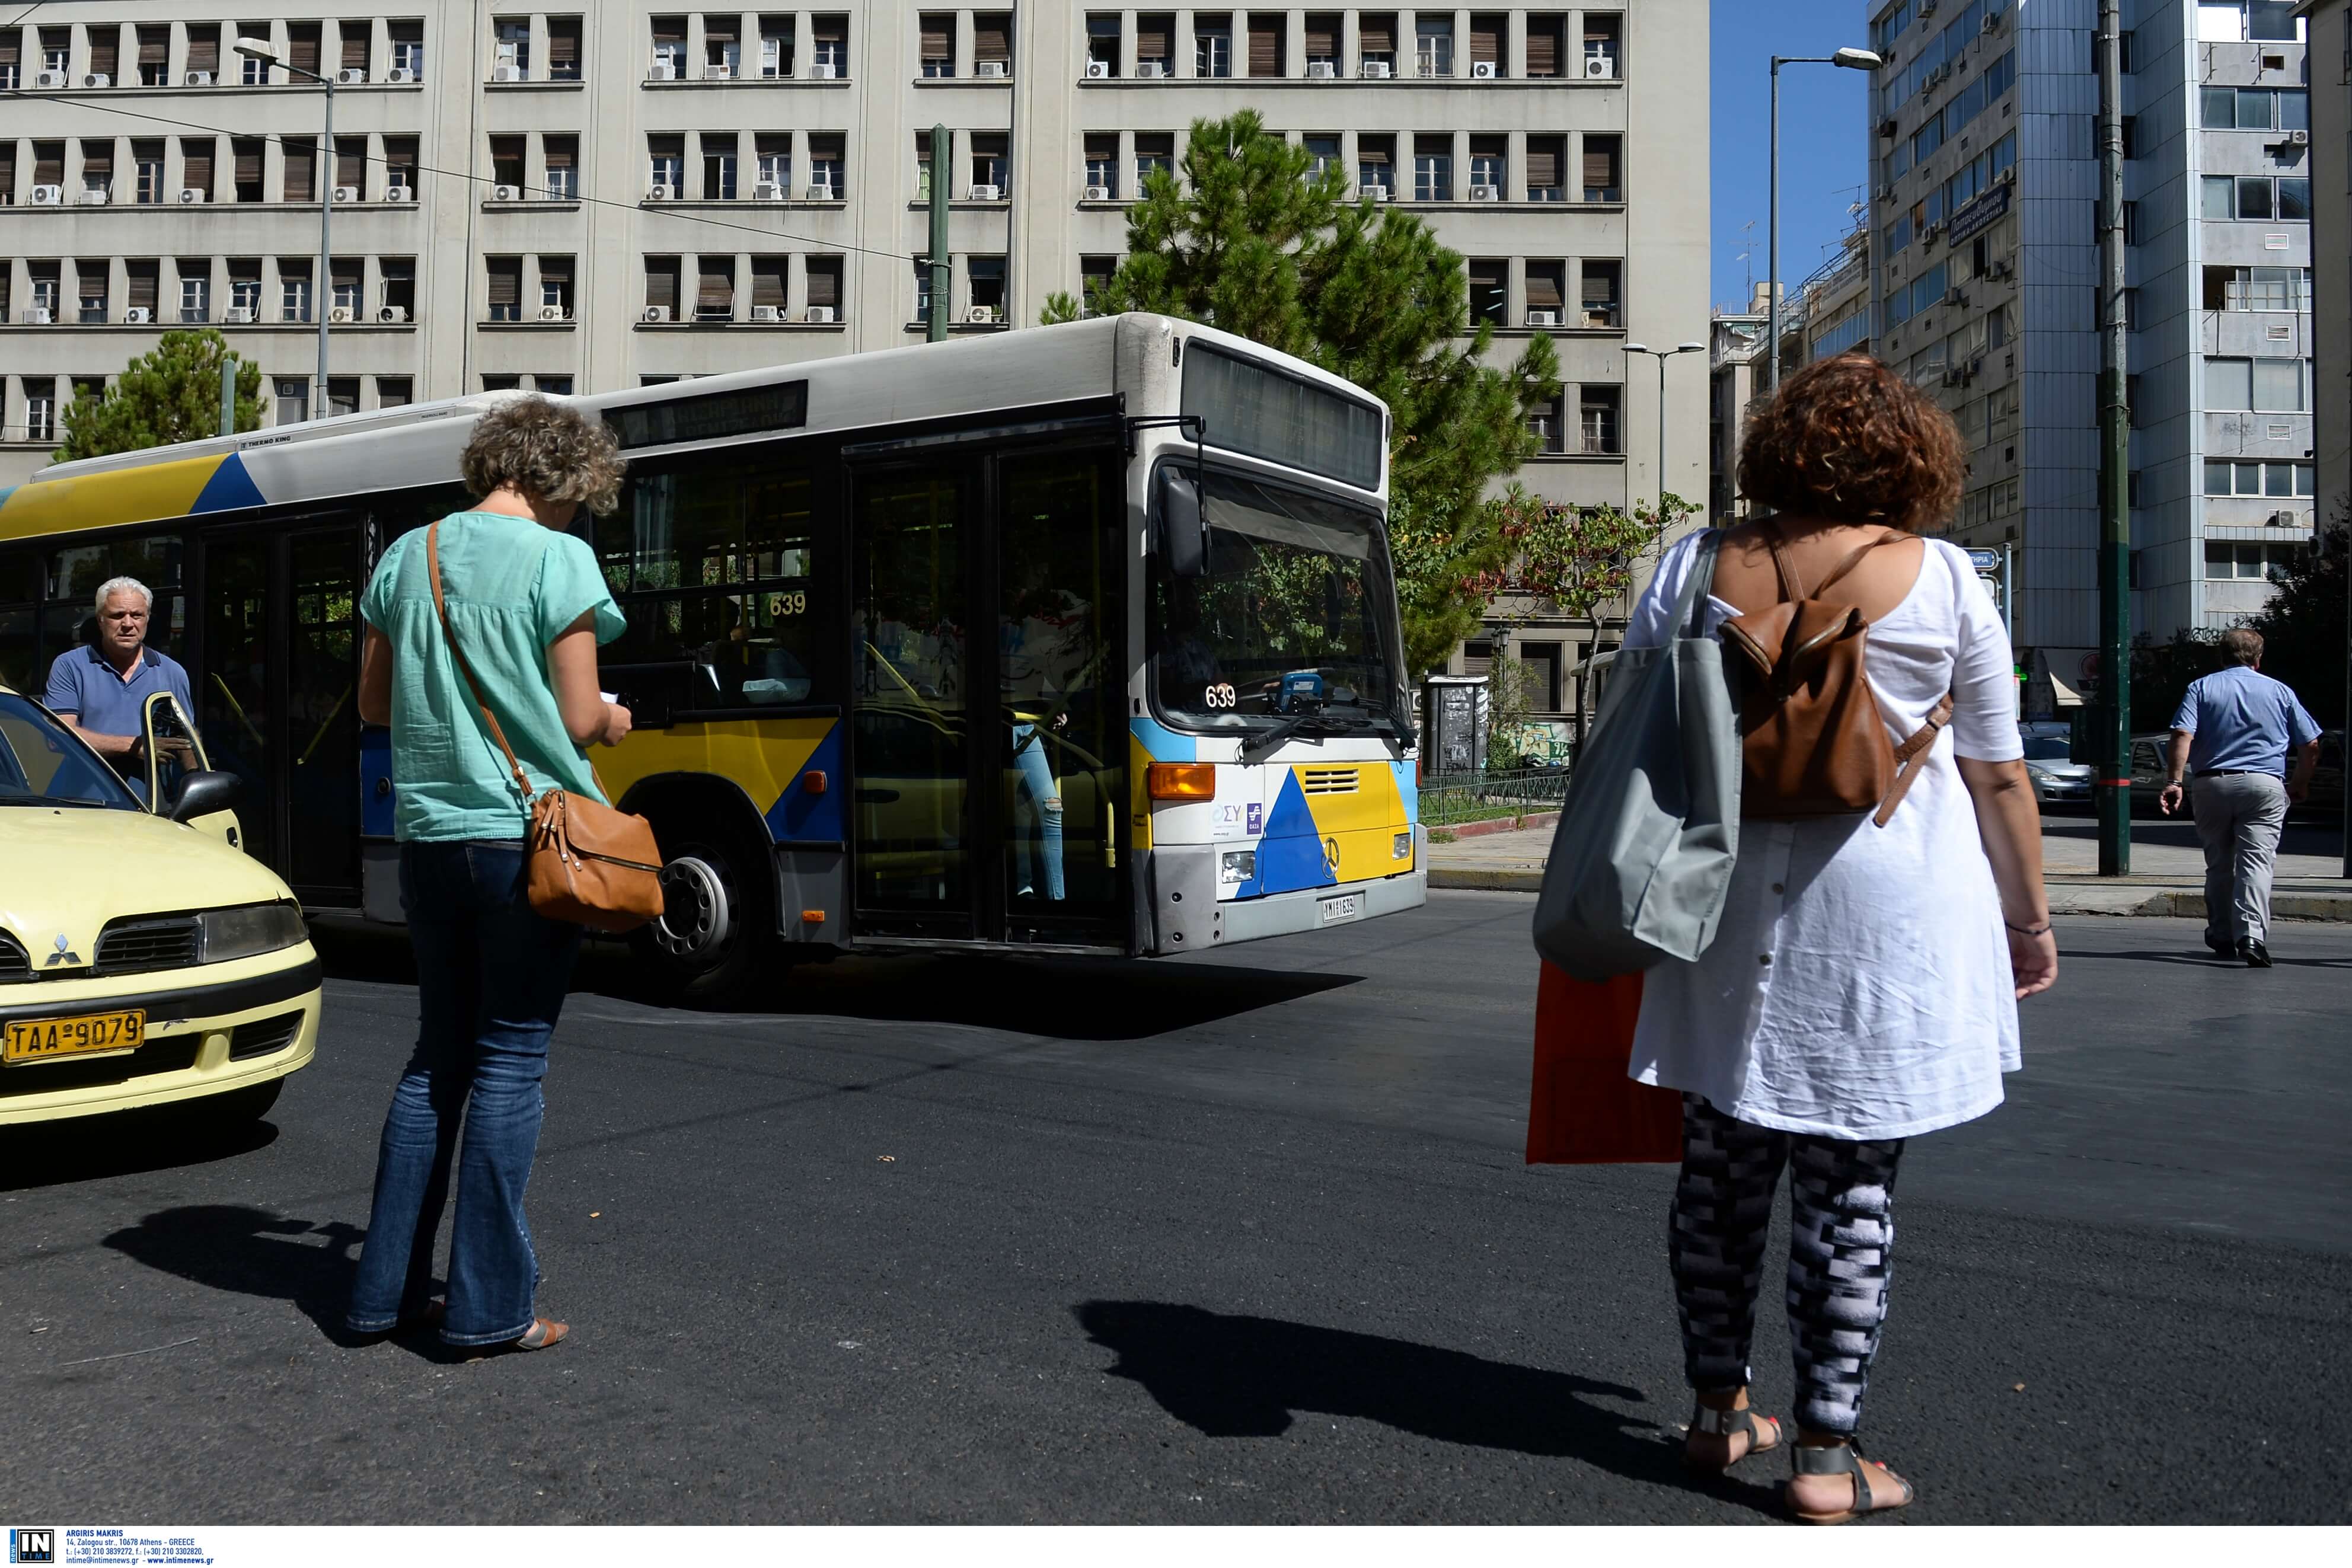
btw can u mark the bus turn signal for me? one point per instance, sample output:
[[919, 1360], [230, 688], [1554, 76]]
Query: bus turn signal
[[1183, 782]]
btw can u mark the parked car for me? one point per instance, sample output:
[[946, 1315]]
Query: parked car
[[144, 959], [2058, 782]]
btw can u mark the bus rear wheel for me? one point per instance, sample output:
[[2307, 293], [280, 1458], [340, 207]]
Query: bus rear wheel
[[718, 923]]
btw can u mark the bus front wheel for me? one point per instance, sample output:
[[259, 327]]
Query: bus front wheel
[[718, 912]]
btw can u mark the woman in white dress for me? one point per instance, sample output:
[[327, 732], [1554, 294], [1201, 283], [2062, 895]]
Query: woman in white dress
[[1862, 986]]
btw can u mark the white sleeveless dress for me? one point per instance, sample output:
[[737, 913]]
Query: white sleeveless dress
[[1859, 985]]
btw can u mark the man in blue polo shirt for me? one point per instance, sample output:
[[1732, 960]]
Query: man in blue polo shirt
[[2232, 733], [101, 690]]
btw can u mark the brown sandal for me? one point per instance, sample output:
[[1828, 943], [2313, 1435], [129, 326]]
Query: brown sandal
[[1727, 1425], [1845, 1459], [543, 1334]]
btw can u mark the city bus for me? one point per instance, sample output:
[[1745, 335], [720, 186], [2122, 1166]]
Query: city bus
[[1078, 639]]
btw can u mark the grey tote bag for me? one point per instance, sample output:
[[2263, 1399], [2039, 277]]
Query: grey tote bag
[[1643, 856]]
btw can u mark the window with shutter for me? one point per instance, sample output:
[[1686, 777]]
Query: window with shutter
[[1155, 37], [563, 48], [1376, 34], [1544, 35], [507, 155], [1601, 178], [1486, 41], [394, 392], [98, 163], [1545, 284], [1486, 292], [154, 51], [11, 56], [1323, 38], [397, 273], [824, 281], [661, 283], [555, 282], [400, 160], [245, 156], [106, 51], [7, 172], [355, 35], [197, 163], [938, 30], [1544, 159], [204, 49], [302, 45], [776, 45], [141, 277], [1265, 33], [562, 156], [768, 282], [350, 161], [1600, 290], [346, 277], [301, 179], [829, 44], [48, 162], [992, 37], [505, 295], [714, 294], [195, 272]]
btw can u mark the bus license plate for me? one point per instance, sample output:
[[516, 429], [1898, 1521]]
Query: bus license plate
[[43, 1040], [1346, 906]]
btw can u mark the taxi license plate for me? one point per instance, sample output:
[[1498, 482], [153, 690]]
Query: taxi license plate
[[1346, 906], [44, 1039]]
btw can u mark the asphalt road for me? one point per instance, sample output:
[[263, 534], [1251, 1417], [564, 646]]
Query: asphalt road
[[1246, 1238]]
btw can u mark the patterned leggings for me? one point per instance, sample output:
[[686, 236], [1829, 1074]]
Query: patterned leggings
[[1842, 1231]]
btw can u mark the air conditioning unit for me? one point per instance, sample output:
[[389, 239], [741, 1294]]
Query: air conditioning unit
[[986, 193], [1600, 68], [196, 79], [992, 69], [1886, 128], [497, 193], [1374, 194], [1953, 377], [1999, 270], [553, 313], [767, 191], [138, 316], [981, 315], [49, 79], [1097, 70], [653, 313], [1954, 297], [39, 316], [1931, 234], [342, 315], [661, 191], [95, 195], [767, 313], [49, 196], [400, 193], [1097, 193], [400, 76], [661, 70], [346, 193], [1377, 70], [239, 314], [1321, 70], [97, 78], [393, 314], [2297, 138], [718, 70], [1152, 71], [1992, 22], [506, 73], [820, 314], [1927, 8], [1486, 193], [1543, 318], [2282, 520], [822, 70], [2008, 176], [353, 76], [191, 196], [1482, 70], [820, 194]]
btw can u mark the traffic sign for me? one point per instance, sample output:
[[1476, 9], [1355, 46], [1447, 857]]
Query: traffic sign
[[1985, 560]]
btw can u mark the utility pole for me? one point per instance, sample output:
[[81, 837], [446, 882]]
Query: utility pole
[[2114, 759], [935, 328], [228, 394]]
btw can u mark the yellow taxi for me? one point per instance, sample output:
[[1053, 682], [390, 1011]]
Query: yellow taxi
[[144, 958]]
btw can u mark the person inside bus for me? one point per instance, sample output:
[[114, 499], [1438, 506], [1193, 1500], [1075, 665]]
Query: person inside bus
[[101, 688], [530, 608]]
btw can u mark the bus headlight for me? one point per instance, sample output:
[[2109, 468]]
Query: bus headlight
[[1401, 847], [1238, 865], [256, 928]]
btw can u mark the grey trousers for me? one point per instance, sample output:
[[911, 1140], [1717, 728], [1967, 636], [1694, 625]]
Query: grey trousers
[[2238, 816]]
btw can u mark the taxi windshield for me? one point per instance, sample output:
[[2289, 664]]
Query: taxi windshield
[[41, 764]]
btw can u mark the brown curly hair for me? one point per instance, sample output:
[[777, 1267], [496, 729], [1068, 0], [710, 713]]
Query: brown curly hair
[[544, 449], [1849, 440]]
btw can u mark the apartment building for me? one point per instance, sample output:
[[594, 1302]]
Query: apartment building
[[1827, 314], [2330, 23], [575, 201], [1986, 205]]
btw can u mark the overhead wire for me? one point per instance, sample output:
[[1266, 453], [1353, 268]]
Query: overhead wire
[[468, 176]]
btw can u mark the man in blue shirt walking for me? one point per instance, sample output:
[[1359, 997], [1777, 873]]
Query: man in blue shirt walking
[[101, 690], [2233, 734]]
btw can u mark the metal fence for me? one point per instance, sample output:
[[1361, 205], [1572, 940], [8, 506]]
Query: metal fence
[[1448, 798]]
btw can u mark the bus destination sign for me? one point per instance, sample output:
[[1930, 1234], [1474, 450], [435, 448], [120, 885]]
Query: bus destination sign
[[710, 416]]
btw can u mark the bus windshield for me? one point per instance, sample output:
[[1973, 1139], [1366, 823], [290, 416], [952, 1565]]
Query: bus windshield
[[1290, 621]]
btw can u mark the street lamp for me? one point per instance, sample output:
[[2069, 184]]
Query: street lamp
[[1662, 356], [321, 286], [1853, 60]]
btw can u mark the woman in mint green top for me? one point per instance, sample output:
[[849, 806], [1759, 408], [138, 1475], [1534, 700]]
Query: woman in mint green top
[[528, 605]]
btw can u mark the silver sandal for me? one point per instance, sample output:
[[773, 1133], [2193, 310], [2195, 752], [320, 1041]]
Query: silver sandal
[[1845, 1459], [1731, 1424]]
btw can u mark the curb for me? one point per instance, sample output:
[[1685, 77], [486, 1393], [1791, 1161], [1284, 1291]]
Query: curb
[[2163, 902], [1541, 820]]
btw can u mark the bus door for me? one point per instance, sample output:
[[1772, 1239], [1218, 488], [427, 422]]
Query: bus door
[[988, 737], [278, 693]]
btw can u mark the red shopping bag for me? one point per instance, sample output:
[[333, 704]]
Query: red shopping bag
[[1584, 1110]]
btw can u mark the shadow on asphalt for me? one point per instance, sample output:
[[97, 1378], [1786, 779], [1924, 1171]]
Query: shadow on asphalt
[[123, 1143], [1228, 1376], [2203, 960], [1076, 998]]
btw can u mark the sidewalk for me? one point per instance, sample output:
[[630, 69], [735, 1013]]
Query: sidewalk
[[2168, 870]]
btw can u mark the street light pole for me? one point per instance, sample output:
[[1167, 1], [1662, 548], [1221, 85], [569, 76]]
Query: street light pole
[[321, 286], [1853, 60], [1662, 356]]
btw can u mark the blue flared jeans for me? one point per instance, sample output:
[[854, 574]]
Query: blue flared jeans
[[490, 977]]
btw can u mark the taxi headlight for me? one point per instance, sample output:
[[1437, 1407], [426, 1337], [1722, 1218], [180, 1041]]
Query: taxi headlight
[[256, 928]]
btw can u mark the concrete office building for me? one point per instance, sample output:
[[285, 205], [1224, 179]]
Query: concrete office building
[[1986, 176], [2330, 23], [1829, 313]]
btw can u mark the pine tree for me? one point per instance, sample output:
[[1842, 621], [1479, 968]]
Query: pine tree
[[1252, 241], [168, 395]]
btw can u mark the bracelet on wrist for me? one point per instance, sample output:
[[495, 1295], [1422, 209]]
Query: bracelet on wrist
[[2040, 930]]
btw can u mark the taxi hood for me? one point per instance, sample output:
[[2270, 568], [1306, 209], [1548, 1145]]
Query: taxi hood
[[66, 871]]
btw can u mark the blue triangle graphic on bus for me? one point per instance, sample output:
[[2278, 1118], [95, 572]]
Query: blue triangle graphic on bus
[[1290, 855], [230, 490]]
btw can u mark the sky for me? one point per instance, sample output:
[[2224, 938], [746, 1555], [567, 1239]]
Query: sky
[[1823, 161]]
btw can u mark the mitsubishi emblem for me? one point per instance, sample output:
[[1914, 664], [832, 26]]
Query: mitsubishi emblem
[[64, 955]]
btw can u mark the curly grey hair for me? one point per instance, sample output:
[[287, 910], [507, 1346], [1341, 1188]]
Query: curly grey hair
[[547, 450]]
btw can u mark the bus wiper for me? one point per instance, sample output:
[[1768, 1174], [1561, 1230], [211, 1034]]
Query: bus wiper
[[1312, 725]]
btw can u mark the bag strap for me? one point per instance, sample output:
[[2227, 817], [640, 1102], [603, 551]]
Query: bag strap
[[1912, 756], [1792, 583], [1690, 605], [441, 608], [1838, 572]]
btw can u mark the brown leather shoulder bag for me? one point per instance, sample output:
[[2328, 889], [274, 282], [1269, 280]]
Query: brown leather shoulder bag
[[583, 862], [1812, 743]]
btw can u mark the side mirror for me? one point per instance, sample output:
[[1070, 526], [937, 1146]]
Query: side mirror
[[1183, 530], [202, 793]]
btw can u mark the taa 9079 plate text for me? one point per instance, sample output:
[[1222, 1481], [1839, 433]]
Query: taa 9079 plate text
[[42, 1040]]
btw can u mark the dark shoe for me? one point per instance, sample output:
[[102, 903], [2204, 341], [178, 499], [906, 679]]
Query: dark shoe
[[2256, 956]]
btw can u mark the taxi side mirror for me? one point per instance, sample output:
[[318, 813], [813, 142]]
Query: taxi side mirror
[[202, 793]]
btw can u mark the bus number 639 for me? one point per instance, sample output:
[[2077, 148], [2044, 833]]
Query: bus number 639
[[1220, 695]]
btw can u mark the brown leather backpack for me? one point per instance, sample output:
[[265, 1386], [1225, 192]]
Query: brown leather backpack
[[1812, 743]]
